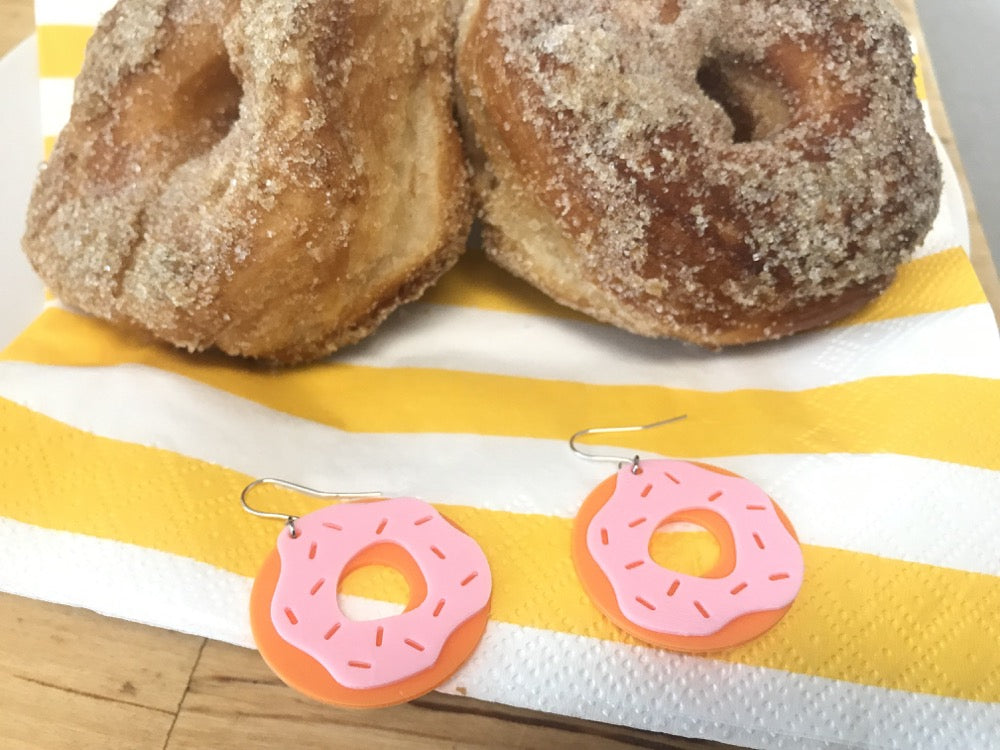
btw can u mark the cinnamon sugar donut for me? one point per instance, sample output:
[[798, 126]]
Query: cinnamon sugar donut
[[271, 178], [719, 171]]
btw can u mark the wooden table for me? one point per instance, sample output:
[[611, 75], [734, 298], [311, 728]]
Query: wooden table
[[73, 679]]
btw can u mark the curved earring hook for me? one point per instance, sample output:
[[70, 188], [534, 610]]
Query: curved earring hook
[[290, 520], [604, 430]]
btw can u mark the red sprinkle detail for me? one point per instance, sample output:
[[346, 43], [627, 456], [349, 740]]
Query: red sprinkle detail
[[604, 536], [645, 492], [334, 526], [738, 589], [381, 526], [671, 477], [704, 612], [291, 616], [331, 631], [644, 603], [633, 565], [778, 577], [637, 522], [316, 586], [413, 644], [423, 520], [359, 664], [378, 635], [714, 496], [760, 542], [437, 552], [756, 507], [673, 588], [438, 608], [312, 551], [470, 578]]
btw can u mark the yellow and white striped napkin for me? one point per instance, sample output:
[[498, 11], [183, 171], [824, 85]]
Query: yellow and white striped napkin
[[121, 463]]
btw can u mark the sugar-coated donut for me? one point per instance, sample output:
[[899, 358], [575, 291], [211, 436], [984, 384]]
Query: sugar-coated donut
[[719, 171], [304, 635], [751, 587], [269, 178]]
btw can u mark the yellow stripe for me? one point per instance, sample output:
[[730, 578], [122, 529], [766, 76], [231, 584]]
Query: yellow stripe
[[48, 144], [918, 79], [859, 618], [946, 417], [942, 281], [61, 50]]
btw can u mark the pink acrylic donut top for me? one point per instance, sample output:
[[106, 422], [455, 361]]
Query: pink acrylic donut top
[[375, 653], [769, 565]]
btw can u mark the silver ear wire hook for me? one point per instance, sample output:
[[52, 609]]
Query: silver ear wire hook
[[290, 520], [604, 430]]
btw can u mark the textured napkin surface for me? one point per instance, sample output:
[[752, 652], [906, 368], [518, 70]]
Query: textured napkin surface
[[121, 463]]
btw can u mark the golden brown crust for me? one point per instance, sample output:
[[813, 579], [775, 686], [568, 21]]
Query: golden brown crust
[[269, 178], [719, 172]]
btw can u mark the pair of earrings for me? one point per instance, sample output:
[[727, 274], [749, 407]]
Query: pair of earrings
[[305, 637]]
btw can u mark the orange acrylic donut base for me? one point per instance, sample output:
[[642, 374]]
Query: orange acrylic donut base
[[303, 673], [598, 588]]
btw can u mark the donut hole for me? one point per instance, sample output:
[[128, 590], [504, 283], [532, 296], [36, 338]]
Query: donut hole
[[208, 102], [754, 103], [694, 543], [381, 581]]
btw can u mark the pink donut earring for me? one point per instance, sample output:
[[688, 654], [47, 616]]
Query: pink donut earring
[[750, 588], [304, 635]]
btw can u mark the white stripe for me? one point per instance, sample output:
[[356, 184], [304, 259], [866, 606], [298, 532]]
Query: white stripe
[[57, 101], [123, 580], [573, 675], [695, 696], [941, 513], [962, 341], [71, 12]]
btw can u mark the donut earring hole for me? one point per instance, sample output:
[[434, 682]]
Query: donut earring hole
[[705, 553], [385, 567]]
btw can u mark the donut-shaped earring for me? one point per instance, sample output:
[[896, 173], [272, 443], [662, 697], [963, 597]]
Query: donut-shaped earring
[[304, 635], [752, 585]]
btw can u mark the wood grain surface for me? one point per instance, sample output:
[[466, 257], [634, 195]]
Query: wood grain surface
[[72, 679]]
